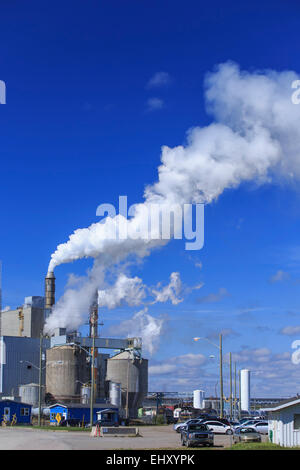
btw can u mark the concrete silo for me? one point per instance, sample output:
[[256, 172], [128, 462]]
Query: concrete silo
[[245, 389], [198, 399], [66, 370], [132, 373]]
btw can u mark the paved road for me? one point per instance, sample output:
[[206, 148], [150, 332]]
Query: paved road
[[153, 437]]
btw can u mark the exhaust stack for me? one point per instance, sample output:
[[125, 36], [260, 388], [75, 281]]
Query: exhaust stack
[[49, 290]]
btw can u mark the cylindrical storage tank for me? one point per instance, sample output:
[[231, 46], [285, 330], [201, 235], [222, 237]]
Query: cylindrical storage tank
[[198, 399], [66, 370], [132, 374], [85, 394], [245, 389], [29, 393], [115, 394]]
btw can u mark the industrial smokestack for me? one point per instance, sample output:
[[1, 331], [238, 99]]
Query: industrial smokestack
[[49, 290], [94, 317]]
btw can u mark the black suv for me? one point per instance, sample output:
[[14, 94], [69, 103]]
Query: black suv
[[196, 434]]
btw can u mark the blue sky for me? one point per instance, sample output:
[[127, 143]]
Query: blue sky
[[82, 126]]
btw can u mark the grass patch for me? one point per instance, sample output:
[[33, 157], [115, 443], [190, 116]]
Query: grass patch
[[259, 446], [57, 428]]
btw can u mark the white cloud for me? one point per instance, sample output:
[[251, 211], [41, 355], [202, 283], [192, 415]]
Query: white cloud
[[280, 276], [154, 104], [290, 330], [159, 79], [171, 291], [214, 297]]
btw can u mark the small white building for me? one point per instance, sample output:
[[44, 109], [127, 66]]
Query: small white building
[[284, 423]]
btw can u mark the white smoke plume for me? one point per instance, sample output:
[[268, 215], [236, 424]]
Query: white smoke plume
[[130, 291], [254, 136], [145, 326], [72, 308]]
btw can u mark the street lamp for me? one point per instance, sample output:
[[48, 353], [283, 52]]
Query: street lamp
[[221, 367]]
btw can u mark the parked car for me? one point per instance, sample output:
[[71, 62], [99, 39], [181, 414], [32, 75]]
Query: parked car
[[218, 428], [261, 427], [248, 422], [178, 426], [221, 420], [196, 434], [245, 434], [243, 420], [234, 424], [71, 422]]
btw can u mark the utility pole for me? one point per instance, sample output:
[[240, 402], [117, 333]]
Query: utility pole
[[93, 334], [40, 381], [127, 390], [92, 382], [240, 414], [221, 378], [0, 296], [234, 401], [230, 371]]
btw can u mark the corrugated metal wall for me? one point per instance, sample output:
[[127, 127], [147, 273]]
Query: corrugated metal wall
[[282, 425], [14, 372]]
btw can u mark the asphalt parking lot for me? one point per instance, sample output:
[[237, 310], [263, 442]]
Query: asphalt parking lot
[[152, 437]]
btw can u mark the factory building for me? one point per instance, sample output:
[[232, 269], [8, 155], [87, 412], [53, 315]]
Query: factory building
[[66, 358], [25, 321]]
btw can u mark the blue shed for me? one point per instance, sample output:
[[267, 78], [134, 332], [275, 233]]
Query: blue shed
[[15, 412], [80, 412]]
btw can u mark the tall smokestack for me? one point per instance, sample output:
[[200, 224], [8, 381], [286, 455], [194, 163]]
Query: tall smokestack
[[49, 290], [94, 317]]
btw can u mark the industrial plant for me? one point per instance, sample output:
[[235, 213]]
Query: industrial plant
[[67, 368], [66, 375]]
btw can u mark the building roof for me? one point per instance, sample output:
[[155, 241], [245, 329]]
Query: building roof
[[16, 402], [285, 404], [82, 405]]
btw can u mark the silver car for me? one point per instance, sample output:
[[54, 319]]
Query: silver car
[[245, 434]]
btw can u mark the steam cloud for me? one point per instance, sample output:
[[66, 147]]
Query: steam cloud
[[145, 326], [254, 137]]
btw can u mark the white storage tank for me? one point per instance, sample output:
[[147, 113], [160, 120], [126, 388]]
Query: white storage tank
[[85, 394], [245, 389], [198, 399], [29, 393], [115, 394]]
